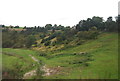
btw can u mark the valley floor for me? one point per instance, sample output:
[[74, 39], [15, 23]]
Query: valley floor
[[96, 59]]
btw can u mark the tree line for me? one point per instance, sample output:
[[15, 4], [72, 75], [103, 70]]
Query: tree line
[[84, 30]]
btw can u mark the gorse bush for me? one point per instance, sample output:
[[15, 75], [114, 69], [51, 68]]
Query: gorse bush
[[84, 30]]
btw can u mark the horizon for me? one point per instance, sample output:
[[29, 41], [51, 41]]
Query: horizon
[[63, 12], [57, 24]]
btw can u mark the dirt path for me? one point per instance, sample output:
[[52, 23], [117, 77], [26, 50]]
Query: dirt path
[[36, 60], [29, 74], [33, 72]]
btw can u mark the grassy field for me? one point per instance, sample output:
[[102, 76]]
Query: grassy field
[[17, 60], [102, 63], [99, 61]]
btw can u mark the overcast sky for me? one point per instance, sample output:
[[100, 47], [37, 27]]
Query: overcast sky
[[64, 12]]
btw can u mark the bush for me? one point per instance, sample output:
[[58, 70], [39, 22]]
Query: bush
[[42, 36], [47, 43], [30, 40], [42, 54], [88, 34], [80, 42]]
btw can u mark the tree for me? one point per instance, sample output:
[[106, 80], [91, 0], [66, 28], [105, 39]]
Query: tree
[[60, 27], [30, 40], [35, 27], [55, 25], [53, 30], [85, 25], [16, 27], [24, 27], [109, 19], [111, 25], [118, 22], [48, 26], [77, 27], [93, 28], [98, 22], [3, 26], [38, 27], [97, 19], [11, 26]]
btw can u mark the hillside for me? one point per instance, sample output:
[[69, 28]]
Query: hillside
[[99, 62], [16, 62], [95, 59]]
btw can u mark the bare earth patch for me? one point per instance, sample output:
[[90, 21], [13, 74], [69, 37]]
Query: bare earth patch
[[48, 71]]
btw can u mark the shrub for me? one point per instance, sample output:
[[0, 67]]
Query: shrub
[[47, 43]]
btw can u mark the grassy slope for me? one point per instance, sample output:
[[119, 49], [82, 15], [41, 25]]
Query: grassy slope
[[10, 62], [104, 51]]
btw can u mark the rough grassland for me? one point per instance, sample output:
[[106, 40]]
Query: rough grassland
[[104, 65], [101, 61], [11, 58]]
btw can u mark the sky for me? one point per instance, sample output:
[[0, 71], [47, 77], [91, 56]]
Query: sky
[[61, 12]]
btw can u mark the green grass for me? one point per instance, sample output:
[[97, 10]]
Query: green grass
[[100, 62], [104, 53], [10, 63]]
